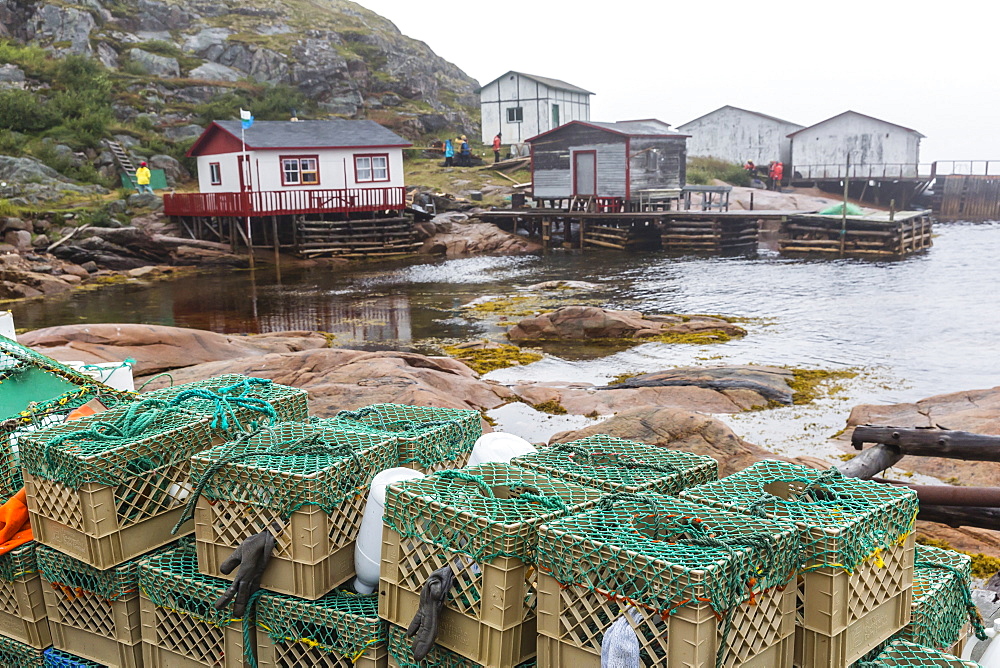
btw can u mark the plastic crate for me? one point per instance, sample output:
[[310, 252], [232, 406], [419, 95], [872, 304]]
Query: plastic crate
[[857, 541], [483, 523], [678, 572], [340, 630], [14, 654], [234, 401], [939, 617], [321, 491], [819, 650], [91, 612], [430, 439], [55, 658], [180, 626], [105, 502], [401, 655], [22, 604], [902, 654], [616, 465]]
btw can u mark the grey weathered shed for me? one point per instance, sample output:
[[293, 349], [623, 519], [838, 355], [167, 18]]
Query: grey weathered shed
[[737, 135], [522, 105], [821, 150], [607, 159]]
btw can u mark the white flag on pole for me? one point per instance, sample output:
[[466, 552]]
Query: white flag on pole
[[245, 115]]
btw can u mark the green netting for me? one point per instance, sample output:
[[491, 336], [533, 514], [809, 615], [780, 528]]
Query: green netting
[[438, 657], [617, 465], [170, 579], [942, 602], [427, 435], [238, 403], [113, 446], [37, 391], [292, 464], [902, 654], [848, 520], [341, 623], [14, 654], [20, 563], [110, 584], [838, 209], [483, 512], [55, 659]]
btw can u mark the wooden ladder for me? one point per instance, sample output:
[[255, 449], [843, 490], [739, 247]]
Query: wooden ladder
[[123, 159]]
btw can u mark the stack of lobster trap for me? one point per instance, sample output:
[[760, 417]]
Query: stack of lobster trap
[[592, 546]]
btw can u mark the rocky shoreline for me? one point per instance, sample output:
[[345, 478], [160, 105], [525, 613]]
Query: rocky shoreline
[[671, 409]]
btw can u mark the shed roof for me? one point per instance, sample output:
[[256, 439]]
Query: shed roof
[[745, 111], [551, 83], [871, 118], [333, 133], [646, 128]]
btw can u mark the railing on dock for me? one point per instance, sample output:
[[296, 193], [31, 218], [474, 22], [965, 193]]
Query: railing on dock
[[285, 202], [890, 170]]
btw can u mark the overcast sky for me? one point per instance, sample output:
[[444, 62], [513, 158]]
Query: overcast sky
[[927, 66]]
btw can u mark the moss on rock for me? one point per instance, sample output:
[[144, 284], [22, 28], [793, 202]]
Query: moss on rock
[[491, 358]]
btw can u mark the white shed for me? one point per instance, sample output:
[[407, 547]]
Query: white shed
[[876, 147], [520, 106], [298, 155], [737, 135]]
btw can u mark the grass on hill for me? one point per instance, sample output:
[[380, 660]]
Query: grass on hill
[[702, 171]]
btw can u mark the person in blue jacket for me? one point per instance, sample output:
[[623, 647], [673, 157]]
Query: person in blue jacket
[[449, 153]]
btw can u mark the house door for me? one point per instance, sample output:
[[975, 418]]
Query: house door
[[585, 173], [555, 115], [243, 167]]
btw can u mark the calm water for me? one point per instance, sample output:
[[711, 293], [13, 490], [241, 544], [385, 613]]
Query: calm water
[[917, 327]]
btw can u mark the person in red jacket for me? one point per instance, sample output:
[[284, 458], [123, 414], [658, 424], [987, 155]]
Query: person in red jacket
[[779, 171], [496, 148]]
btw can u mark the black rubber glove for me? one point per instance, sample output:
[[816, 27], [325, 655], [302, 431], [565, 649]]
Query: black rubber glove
[[424, 627], [252, 556]]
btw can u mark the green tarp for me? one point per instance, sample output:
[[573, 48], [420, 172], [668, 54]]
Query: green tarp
[[838, 210]]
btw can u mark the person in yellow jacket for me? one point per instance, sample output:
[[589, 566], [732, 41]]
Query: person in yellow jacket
[[142, 178]]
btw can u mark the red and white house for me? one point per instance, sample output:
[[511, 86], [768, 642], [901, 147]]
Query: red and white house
[[294, 167]]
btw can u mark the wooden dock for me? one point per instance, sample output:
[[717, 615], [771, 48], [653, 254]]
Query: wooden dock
[[883, 234], [677, 231]]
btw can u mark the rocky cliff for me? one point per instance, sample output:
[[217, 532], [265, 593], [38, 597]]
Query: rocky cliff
[[173, 56]]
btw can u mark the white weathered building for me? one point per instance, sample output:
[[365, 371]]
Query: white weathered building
[[737, 135], [520, 106], [876, 148], [293, 156]]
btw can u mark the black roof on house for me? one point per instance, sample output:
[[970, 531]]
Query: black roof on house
[[646, 128], [333, 133], [746, 111], [551, 83]]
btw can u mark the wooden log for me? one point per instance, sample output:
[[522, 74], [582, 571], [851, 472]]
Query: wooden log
[[946, 443], [870, 462], [951, 495], [603, 244], [961, 516]]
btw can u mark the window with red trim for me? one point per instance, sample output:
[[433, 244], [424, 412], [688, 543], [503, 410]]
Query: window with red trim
[[300, 170], [371, 168], [215, 173]]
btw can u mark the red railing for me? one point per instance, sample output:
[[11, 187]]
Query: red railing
[[285, 202]]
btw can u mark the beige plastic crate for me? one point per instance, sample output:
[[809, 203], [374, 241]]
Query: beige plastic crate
[[401, 654], [104, 525], [22, 611], [88, 645], [818, 650], [555, 654], [479, 643], [575, 618], [287, 654], [83, 610], [902, 654], [833, 600], [176, 640], [305, 563]]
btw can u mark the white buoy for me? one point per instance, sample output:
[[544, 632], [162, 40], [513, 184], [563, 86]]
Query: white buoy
[[113, 374], [368, 548], [7, 325], [499, 447]]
